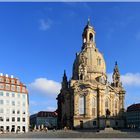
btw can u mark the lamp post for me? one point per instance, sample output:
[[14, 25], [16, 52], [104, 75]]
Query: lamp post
[[107, 116], [98, 108]]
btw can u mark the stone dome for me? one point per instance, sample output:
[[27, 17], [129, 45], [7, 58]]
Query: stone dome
[[89, 63]]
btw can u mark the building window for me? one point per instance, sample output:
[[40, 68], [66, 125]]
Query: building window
[[1, 79], [23, 119], [1, 86], [98, 61], [7, 94], [18, 128], [23, 89], [7, 119], [1, 102], [23, 96], [13, 119], [1, 128], [1, 110], [13, 88], [7, 80], [1, 119], [23, 111], [1, 93], [116, 123], [18, 112], [23, 104], [82, 105], [106, 104], [7, 111], [13, 94], [18, 103], [7, 102], [18, 88], [12, 81], [81, 124], [18, 119], [91, 37], [23, 128], [94, 123], [94, 106], [18, 95], [13, 128], [7, 87], [13, 103], [7, 128], [13, 111]]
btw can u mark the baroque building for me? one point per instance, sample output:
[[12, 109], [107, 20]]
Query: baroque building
[[88, 100]]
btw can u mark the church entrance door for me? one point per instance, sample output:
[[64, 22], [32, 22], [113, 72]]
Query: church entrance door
[[81, 124]]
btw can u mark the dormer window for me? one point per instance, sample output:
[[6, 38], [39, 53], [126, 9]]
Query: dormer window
[[1, 79], [23, 89], [98, 61], [7, 80], [18, 82], [12, 81]]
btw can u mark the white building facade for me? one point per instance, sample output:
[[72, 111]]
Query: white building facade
[[14, 104]]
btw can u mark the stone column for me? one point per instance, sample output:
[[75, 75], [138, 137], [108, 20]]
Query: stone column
[[121, 98], [76, 104]]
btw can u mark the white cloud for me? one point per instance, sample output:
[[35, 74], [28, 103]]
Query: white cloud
[[128, 79], [131, 79], [45, 24], [45, 87]]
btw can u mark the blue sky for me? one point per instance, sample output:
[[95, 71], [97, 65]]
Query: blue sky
[[39, 40]]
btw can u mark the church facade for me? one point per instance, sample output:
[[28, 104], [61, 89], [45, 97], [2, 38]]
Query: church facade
[[88, 100]]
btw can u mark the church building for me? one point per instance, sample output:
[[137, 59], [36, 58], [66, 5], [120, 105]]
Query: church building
[[88, 100]]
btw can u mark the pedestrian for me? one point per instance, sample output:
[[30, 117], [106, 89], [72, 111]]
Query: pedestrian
[[65, 128]]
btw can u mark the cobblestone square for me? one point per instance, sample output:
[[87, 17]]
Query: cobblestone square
[[72, 134]]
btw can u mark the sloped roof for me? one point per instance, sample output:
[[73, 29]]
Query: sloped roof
[[133, 107]]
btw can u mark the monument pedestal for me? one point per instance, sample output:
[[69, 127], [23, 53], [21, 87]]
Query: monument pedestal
[[110, 130]]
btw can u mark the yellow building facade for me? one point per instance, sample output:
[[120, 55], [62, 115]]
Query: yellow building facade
[[88, 100]]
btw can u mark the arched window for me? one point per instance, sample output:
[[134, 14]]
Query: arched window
[[91, 37], [94, 106], [106, 104], [82, 105], [81, 76], [84, 40]]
